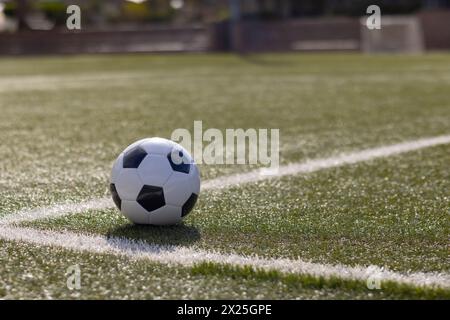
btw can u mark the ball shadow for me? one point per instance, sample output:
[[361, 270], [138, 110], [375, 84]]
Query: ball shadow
[[176, 235]]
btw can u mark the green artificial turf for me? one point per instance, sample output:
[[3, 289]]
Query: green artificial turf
[[390, 212], [65, 119], [43, 273]]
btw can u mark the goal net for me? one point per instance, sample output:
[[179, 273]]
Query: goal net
[[397, 34]]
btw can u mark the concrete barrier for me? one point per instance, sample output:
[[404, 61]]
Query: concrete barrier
[[436, 29], [161, 39], [307, 34], [298, 35]]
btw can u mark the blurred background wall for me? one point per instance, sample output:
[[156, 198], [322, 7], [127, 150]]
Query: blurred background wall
[[39, 27]]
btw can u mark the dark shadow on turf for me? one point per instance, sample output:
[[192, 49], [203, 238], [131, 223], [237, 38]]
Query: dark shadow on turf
[[176, 235]]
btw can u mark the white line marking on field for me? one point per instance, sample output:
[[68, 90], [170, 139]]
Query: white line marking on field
[[326, 163], [58, 210], [188, 257], [236, 179]]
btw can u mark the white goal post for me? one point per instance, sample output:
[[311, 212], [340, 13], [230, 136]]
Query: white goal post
[[397, 34]]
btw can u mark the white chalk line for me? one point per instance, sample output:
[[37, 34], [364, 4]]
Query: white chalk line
[[188, 257], [326, 163], [58, 210]]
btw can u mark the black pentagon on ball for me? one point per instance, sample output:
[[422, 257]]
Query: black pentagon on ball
[[189, 204], [151, 198], [182, 167], [134, 157], [115, 195]]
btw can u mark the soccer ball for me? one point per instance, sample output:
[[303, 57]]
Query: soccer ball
[[155, 181]]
